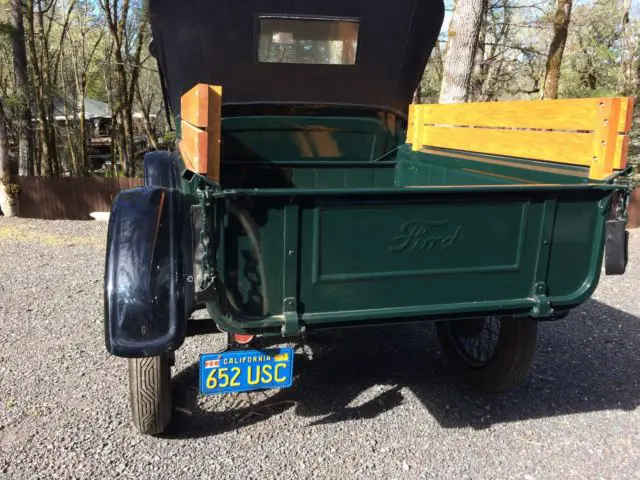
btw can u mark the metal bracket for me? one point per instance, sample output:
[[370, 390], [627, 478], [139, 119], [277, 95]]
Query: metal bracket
[[542, 307], [291, 325], [204, 223]]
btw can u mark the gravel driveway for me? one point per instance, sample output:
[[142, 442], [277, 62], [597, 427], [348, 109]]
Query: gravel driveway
[[380, 404]]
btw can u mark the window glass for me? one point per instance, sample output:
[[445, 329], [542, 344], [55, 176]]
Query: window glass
[[324, 42]]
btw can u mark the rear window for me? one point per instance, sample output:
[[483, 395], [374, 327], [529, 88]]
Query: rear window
[[303, 40]]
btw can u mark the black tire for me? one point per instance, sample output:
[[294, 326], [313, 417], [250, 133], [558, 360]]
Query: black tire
[[150, 393], [509, 363]]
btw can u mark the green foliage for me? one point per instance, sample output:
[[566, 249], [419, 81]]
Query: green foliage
[[12, 189], [592, 57], [515, 42], [168, 137], [7, 30], [13, 192]]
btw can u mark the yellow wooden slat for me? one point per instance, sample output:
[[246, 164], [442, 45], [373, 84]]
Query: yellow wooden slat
[[622, 140], [588, 132], [570, 114], [626, 114], [622, 150], [214, 132], [560, 147], [411, 122], [605, 137], [201, 105], [201, 113], [194, 147]]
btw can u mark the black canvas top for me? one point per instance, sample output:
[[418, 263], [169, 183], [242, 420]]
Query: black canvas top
[[216, 42]]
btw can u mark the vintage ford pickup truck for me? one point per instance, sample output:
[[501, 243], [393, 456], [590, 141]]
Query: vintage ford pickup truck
[[307, 192]]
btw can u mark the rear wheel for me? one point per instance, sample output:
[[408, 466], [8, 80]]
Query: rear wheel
[[492, 353], [150, 393]]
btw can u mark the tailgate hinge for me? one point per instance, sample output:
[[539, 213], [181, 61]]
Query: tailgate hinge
[[291, 325], [542, 307]]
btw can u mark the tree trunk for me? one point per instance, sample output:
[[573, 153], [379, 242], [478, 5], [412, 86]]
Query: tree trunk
[[84, 153], [122, 144], [479, 67], [146, 119], [124, 114], [75, 168], [127, 115], [627, 73], [4, 147], [23, 120], [47, 99], [150, 131], [556, 50], [8, 205], [41, 117], [461, 50]]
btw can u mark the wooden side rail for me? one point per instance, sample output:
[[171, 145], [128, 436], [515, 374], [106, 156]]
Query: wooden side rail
[[201, 113], [591, 132]]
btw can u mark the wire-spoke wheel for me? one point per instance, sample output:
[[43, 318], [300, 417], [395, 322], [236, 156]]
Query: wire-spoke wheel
[[492, 353]]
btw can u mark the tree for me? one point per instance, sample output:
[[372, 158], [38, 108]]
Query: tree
[[7, 190], [82, 54], [5, 171], [22, 89], [460, 50], [128, 33], [556, 50], [627, 73]]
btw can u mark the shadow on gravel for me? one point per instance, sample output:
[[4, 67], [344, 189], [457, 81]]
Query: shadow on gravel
[[587, 362]]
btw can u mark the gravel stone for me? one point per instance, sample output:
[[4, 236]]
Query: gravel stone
[[376, 404]]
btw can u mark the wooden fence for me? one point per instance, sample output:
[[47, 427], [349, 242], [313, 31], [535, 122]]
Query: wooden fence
[[69, 198], [74, 198]]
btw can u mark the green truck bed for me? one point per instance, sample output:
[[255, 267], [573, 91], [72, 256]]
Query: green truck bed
[[422, 234]]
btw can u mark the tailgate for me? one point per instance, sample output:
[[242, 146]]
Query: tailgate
[[396, 253]]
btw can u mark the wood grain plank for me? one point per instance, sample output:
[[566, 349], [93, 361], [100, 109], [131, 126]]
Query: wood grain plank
[[564, 114], [560, 147], [622, 151], [626, 114], [194, 148], [214, 148], [201, 105], [604, 135], [411, 121]]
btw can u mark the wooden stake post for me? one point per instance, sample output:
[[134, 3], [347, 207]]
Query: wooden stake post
[[201, 113]]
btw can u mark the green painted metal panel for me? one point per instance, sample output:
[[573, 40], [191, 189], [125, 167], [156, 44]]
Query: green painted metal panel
[[294, 138], [449, 167], [251, 257], [377, 254], [416, 253], [332, 234], [309, 176], [576, 247]]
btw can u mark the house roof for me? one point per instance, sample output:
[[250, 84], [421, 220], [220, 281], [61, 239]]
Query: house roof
[[92, 109]]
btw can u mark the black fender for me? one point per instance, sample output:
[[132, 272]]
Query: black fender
[[616, 247], [145, 283], [161, 169]]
